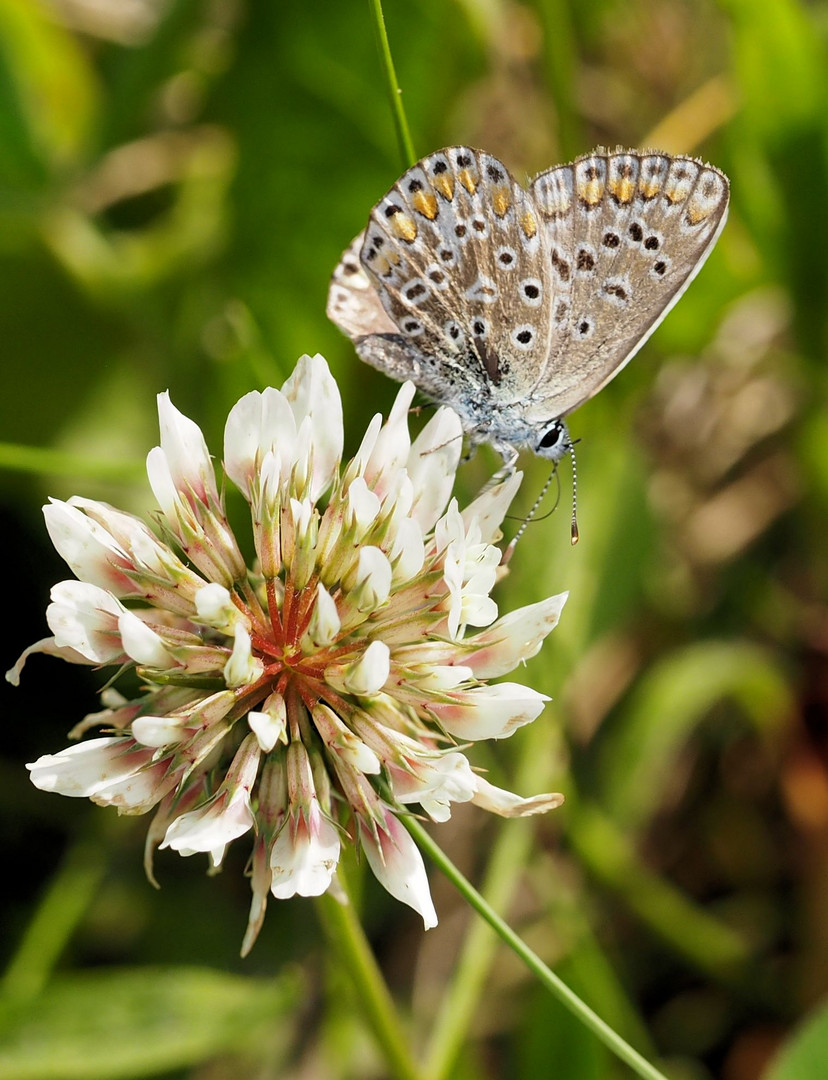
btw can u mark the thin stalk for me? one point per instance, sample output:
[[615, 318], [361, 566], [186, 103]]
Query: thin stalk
[[460, 1001], [345, 931], [393, 87], [504, 869], [570, 1000], [561, 49]]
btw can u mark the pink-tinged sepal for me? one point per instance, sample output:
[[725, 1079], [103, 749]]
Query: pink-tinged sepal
[[489, 712], [398, 865], [498, 801], [49, 647], [513, 639]]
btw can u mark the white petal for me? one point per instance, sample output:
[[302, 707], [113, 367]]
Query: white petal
[[371, 580], [84, 617], [477, 609], [407, 551], [490, 506], [141, 643], [398, 866], [186, 452], [259, 425], [435, 782], [432, 465], [301, 511], [215, 606], [269, 725], [367, 675], [450, 528], [161, 481], [158, 730], [359, 462], [88, 767], [361, 507], [224, 817], [325, 623], [88, 549], [136, 793], [312, 393], [207, 831], [143, 548], [489, 712], [393, 444], [242, 667]]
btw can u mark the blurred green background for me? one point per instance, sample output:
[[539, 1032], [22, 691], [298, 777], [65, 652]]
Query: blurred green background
[[177, 181]]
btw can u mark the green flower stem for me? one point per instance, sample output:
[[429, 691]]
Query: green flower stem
[[509, 856], [503, 872], [66, 901], [545, 976], [345, 931], [561, 50], [393, 87]]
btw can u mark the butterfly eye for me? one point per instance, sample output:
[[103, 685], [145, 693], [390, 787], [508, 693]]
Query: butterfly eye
[[553, 437]]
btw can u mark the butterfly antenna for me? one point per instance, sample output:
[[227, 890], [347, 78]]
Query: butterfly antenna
[[574, 534], [510, 547]]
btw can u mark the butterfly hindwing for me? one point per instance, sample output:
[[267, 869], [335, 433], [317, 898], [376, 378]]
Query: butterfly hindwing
[[629, 230]]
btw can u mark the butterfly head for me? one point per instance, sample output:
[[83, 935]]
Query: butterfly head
[[553, 441]]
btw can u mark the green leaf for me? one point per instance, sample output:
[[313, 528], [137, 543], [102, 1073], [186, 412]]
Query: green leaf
[[805, 1054], [138, 1022], [673, 699], [777, 44], [55, 85]]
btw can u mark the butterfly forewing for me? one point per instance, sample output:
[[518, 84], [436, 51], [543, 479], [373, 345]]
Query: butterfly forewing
[[627, 231], [457, 258], [354, 306], [353, 302]]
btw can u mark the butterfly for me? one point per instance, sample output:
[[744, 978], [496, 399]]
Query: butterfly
[[515, 306]]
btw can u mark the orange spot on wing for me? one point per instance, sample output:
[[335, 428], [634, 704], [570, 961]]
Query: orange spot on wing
[[696, 214], [529, 224], [622, 188], [591, 191], [649, 188], [444, 184], [676, 193], [426, 204], [501, 201], [404, 227], [467, 180]]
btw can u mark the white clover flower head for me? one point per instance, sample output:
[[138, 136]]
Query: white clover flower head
[[314, 699]]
